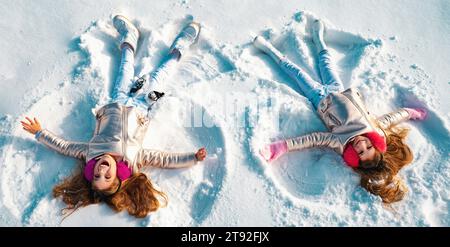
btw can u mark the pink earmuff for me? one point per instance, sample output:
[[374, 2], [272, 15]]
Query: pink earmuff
[[378, 141], [123, 171], [89, 170], [350, 156]]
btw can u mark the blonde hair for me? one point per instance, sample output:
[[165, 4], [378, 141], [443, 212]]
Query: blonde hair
[[383, 180], [137, 195]]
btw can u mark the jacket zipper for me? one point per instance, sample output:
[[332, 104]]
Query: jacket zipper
[[124, 130]]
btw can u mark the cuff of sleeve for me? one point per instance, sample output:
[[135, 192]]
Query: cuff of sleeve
[[196, 161], [38, 134], [407, 111], [290, 145]]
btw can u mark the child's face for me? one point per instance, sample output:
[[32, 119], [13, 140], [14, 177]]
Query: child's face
[[105, 171], [364, 148]]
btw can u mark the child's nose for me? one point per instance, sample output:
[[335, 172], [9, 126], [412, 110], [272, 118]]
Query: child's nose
[[364, 145]]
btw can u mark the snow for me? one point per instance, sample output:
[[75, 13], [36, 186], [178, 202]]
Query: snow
[[59, 60]]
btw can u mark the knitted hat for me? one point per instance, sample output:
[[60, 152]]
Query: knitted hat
[[350, 155]]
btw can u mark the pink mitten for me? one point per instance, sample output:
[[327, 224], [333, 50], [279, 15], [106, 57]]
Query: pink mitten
[[274, 150], [416, 113]]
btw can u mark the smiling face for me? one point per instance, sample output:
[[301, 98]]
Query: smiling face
[[364, 148], [105, 172]]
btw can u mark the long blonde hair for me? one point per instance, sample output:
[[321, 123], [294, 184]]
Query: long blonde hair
[[383, 180], [137, 195]]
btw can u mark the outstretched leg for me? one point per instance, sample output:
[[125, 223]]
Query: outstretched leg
[[129, 36], [157, 77], [328, 73], [153, 91], [311, 89], [125, 75]]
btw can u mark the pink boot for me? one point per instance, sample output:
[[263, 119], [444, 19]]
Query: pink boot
[[274, 150], [416, 113]]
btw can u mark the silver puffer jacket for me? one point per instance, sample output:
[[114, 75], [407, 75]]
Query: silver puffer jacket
[[346, 116], [119, 131]]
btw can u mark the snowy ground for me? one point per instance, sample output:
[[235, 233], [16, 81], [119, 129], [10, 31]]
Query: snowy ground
[[60, 57]]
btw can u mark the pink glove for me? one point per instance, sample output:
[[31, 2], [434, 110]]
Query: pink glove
[[274, 150], [416, 113]]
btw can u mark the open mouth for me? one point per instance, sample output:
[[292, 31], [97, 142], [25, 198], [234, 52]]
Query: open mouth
[[104, 164]]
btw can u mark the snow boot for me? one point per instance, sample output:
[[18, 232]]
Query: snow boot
[[188, 36], [128, 32], [318, 30], [265, 46]]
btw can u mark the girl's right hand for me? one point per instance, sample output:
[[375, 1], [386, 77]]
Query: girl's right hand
[[201, 154], [31, 126], [274, 150]]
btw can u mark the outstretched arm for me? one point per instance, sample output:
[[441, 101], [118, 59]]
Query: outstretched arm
[[154, 158], [401, 115], [73, 149], [317, 139]]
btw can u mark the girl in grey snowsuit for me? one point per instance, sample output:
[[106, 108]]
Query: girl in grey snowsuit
[[371, 146], [114, 156]]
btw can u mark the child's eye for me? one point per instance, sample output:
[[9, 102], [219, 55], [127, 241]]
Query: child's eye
[[97, 176]]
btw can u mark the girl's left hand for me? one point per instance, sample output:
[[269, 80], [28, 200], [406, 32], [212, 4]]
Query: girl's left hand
[[32, 126], [201, 154], [416, 113]]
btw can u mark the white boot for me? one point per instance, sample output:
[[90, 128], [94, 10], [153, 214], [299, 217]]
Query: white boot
[[262, 44], [317, 35], [128, 32], [187, 37]]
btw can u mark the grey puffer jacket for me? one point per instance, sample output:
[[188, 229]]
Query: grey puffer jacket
[[119, 131], [346, 116]]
